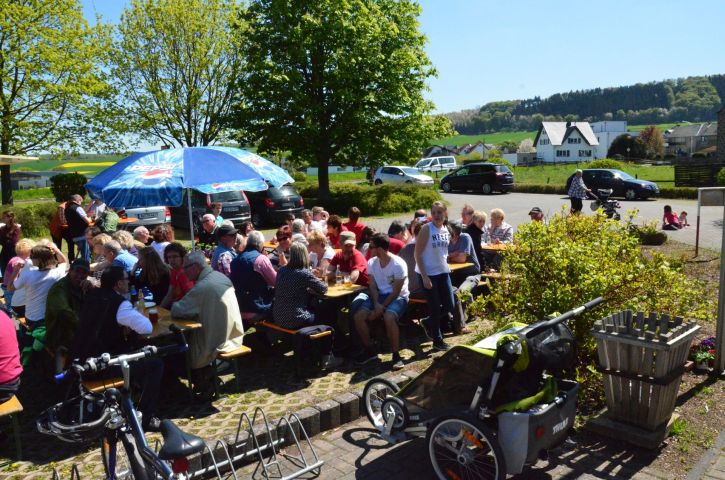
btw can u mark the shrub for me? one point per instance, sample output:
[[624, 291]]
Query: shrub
[[373, 200], [64, 185], [501, 160], [34, 218], [299, 176], [720, 178], [573, 259], [606, 163]]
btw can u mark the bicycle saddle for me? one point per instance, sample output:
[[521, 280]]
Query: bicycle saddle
[[177, 443]]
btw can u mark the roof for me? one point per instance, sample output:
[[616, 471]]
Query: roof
[[694, 130], [558, 132]]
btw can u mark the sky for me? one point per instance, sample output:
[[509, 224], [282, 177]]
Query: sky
[[491, 50]]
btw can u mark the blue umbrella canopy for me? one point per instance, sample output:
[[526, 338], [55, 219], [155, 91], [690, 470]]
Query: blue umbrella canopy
[[159, 178]]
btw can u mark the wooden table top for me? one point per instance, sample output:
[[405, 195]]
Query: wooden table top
[[161, 328], [496, 247], [337, 291], [459, 266]]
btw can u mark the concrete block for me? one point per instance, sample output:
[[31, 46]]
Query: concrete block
[[603, 425], [329, 414], [359, 395], [399, 379], [349, 407], [310, 418], [285, 429]]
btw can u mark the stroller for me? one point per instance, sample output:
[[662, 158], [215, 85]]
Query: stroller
[[604, 202], [486, 410]]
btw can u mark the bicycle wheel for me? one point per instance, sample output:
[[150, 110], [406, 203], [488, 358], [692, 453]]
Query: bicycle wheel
[[128, 462], [463, 447], [374, 393]]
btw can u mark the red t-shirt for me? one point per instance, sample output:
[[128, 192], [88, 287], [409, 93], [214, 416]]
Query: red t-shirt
[[10, 367], [179, 283], [395, 247], [357, 228], [670, 219], [335, 239], [355, 262]]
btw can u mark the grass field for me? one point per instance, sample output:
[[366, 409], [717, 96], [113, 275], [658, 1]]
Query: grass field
[[557, 174], [85, 164]]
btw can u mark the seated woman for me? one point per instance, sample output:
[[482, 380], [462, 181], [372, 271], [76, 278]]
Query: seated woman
[[163, 235], [254, 278], [670, 220], [291, 308], [320, 252], [152, 273], [179, 283], [497, 232], [278, 256], [99, 262], [475, 229]]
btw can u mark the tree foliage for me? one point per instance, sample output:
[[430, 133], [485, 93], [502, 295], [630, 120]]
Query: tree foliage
[[626, 146], [52, 89], [526, 146], [337, 81], [175, 63], [653, 140]]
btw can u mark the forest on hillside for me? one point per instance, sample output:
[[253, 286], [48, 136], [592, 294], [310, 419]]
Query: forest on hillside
[[694, 99]]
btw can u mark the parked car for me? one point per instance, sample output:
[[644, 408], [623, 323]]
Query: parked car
[[401, 174], [148, 217], [271, 206], [235, 207], [436, 164], [480, 177], [622, 183]]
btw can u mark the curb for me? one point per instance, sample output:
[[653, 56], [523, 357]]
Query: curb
[[708, 458]]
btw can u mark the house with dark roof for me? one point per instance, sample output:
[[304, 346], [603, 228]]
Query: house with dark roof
[[684, 140], [562, 142]]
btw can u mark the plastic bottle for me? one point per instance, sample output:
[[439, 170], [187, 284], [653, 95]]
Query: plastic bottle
[[141, 305], [338, 276]]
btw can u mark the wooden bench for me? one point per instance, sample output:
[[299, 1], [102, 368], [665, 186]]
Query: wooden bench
[[287, 331], [11, 409], [232, 357], [99, 386]]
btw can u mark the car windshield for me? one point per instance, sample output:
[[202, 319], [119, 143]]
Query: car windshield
[[624, 175], [227, 196], [410, 171], [503, 168], [423, 163]]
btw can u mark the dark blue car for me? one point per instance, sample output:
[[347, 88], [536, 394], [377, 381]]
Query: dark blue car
[[623, 184]]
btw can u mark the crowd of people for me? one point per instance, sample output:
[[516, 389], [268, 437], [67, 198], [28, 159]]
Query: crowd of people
[[82, 303]]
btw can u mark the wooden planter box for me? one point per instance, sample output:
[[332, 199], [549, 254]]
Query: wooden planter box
[[642, 360]]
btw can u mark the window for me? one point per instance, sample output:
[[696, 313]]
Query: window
[[462, 171], [543, 141], [585, 153], [573, 140], [562, 153], [388, 170]]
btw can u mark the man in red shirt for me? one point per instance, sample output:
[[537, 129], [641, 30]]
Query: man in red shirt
[[350, 260], [354, 225], [334, 229], [396, 233]]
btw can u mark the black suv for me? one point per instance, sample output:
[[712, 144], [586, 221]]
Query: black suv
[[481, 177], [271, 206], [622, 183], [235, 207]]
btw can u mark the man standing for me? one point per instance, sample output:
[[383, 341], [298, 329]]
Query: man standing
[[224, 253], [577, 192], [214, 303], [110, 324], [387, 299], [65, 299], [77, 223], [350, 260]]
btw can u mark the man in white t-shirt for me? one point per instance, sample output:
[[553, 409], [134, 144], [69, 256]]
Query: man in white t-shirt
[[51, 266], [387, 299]]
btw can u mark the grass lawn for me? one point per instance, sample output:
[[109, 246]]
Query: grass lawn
[[557, 174]]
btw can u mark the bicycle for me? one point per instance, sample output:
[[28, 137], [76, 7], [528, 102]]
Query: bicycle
[[112, 416]]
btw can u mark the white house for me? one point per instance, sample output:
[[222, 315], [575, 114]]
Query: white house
[[563, 142], [606, 132]]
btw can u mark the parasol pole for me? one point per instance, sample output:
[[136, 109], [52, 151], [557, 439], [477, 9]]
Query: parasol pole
[[191, 218]]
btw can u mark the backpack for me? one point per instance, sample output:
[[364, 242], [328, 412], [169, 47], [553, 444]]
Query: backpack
[[108, 221]]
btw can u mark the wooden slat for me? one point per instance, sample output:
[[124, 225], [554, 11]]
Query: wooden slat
[[240, 351], [98, 386], [11, 407], [272, 326]]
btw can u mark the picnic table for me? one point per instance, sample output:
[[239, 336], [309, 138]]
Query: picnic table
[[459, 266], [339, 291], [161, 328], [496, 247]]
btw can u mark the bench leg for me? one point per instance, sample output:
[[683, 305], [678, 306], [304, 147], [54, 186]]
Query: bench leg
[[217, 383], [235, 363], [188, 375], [16, 434]]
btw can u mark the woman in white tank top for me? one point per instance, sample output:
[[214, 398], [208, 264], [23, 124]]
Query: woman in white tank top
[[431, 263]]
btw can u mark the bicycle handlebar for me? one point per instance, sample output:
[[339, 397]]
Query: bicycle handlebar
[[105, 360], [541, 326]]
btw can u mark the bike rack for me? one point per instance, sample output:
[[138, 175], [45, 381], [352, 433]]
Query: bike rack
[[260, 444]]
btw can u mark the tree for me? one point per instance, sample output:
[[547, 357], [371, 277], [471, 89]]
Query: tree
[[175, 63], [654, 141], [507, 146], [627, 147], [52, 86], [526, 146], [337, 81]]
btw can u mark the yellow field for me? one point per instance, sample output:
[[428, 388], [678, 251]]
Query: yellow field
[[87, 164]]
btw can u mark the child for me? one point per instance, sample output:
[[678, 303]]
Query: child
[[683, 219], [670, 221]]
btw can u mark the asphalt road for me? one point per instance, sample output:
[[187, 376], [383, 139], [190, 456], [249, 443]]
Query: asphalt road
[[517, 206]]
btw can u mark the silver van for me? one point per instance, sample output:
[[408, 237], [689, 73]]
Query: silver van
[[436, 164]]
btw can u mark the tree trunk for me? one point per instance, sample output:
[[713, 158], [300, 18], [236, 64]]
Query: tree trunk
[[5, 184], [323, 178]]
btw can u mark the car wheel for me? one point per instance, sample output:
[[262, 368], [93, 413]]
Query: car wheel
[[446, 187], [630, 194], [487, 189], [378, 181]]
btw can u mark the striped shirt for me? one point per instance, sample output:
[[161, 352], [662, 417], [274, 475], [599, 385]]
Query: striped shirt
[[577, 189]]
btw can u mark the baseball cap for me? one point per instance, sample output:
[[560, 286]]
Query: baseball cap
[[224, 230], [535, 211], [81, 263], [347, 237]]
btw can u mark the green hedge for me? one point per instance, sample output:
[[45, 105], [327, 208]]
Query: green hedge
[[371, 200], [34, 218], [666, 192]]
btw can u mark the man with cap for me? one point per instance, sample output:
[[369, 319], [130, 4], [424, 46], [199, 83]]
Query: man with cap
[[577, 192], [63, 306], [536, 214], [224, 253], [350, 260]]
